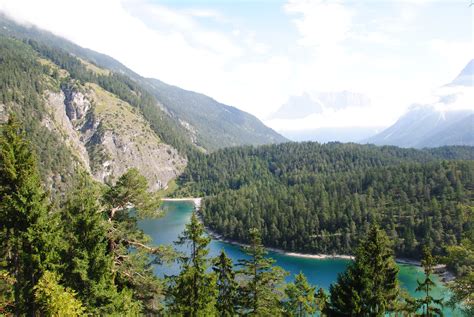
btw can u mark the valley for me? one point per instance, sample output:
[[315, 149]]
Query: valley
[[123, 195]]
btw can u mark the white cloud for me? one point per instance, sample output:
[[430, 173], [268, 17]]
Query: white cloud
[[330, 118], [454, 53], [321, 23]]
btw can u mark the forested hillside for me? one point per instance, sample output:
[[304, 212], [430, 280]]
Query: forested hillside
[[85, 119], [212, 125], [184, 119], [322, 198], [88, 257]]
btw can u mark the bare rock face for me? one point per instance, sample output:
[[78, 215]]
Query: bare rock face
[[3, 114], [59, 122], [77, 105], [159, 163], [109, 136]]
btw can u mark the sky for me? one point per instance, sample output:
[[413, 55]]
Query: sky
[[253, 54]]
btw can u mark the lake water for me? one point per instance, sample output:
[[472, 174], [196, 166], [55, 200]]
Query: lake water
[[320, 272]]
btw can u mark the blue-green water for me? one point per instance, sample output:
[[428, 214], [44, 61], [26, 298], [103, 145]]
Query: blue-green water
[[320, 272]]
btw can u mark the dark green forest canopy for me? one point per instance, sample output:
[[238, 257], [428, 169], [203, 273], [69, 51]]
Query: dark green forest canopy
[[321, 198], [22, 83]]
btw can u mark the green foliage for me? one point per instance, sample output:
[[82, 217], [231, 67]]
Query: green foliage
[[369, 286], [322, 301], [212, 125], [123, 87], [22, 84], [54, 299], [29, 244], [429, 305], [460, 259], [301, 297], [226, 286], [192, 292], [87, 263], [124, 203], [6, 293], [131, 189], [259, 290], [315, 198]]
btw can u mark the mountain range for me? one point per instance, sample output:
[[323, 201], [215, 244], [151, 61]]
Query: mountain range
[[304, 108], [84, 110], [448, 120], [299, 107]]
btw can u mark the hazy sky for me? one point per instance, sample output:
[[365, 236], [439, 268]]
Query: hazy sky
[[255, 54]]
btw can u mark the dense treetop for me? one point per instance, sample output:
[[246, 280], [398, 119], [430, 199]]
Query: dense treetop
[[322, 198]]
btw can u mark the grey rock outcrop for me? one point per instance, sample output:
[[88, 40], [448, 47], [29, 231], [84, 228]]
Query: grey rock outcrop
[[109, 137]]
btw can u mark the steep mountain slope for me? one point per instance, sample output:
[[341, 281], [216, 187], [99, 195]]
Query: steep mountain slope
[[447, 121], [109, 135], [211, 124], [421, 126], [458, 133], [192, 119], [77, 125], [465, 77]]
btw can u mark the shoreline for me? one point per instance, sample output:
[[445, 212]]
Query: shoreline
[[196, 200], [219, 237], [443, 273]]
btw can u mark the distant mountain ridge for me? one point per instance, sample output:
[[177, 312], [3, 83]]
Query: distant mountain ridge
[[339, 134], [449, 121], [465, 77], [299, 107]]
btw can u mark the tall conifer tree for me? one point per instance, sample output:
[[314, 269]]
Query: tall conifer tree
[[369, 286], [226, 285], [28, 241], [192, 292], [259, 292], [428, 304], [301, 297]]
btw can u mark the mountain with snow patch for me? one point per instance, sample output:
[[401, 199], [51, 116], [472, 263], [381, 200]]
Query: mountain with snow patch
[[448, 120]]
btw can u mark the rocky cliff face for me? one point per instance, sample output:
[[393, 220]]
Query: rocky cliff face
[[108, 136]]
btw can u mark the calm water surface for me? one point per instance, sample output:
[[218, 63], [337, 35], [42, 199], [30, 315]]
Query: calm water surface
[[320, 272]]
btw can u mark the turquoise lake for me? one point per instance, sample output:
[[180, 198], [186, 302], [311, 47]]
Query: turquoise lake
[[320, 272]]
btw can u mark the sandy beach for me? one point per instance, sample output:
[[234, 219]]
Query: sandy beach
[[196, 200]]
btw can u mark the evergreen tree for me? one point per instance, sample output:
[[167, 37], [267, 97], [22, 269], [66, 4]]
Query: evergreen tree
[[321, 302], [7, 302], [429, 305], [226, 285], [192, 292], [28, 241], [460, 260], [88, 266], [300, 297], [55, 300], [125, 203], [259, 290], [369, 286]]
